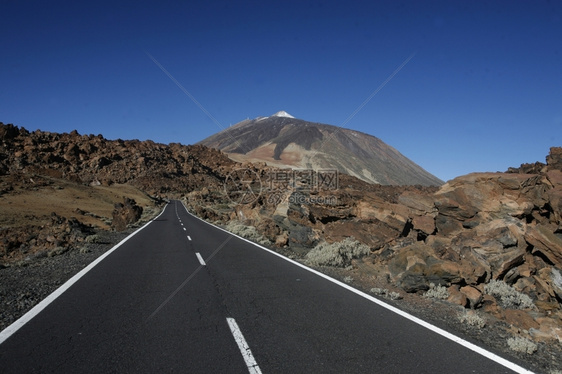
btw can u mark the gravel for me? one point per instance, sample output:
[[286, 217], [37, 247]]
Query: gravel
[[25, 284]]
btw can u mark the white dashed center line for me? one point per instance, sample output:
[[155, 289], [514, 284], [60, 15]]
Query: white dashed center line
[[201, 261], [253, 367]]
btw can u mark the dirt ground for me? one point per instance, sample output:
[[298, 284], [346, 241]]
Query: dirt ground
[[30, 201]]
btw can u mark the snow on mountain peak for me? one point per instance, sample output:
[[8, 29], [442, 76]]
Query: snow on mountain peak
[[282, 113]]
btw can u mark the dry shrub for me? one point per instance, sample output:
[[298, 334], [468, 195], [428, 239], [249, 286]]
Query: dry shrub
[[337, 254]]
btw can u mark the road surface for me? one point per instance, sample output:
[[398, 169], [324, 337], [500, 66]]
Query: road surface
[[183, 296]]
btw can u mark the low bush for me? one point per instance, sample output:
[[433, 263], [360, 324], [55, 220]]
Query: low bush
[[248, 232], [507, 296], [437, 292], [519, 344], [379, 291], [95, 238], [384, 292], [472, 319], [337, 254]]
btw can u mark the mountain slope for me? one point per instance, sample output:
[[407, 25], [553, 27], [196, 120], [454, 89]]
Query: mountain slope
[[284, 141]]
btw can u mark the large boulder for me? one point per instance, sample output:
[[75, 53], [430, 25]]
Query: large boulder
[[493, 195], [546, 242], [8, 131], [416, 266], [554, 159], [125, 213]]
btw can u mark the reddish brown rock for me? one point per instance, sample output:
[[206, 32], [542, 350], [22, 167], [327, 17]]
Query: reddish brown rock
[[490, 305], [55, 237], [554, 159], [8, 131], [520, 319], [555, 199], [447, 225], [473, 295], [444, 272], [525, 269], [423, 204], [555, 177], [374, 232], [425, 224], [543, 239], [268, 228], [474, 269], [526, 285], [282, 240], [457, 297], [549, 331], [125, 213]]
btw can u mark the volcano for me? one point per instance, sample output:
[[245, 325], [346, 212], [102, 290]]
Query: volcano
[[284, 141]]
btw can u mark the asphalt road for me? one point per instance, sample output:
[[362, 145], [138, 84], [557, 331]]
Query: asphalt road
[[169, 299]]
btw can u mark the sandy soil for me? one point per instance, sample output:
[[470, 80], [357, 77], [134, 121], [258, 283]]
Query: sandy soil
[[32, 200]]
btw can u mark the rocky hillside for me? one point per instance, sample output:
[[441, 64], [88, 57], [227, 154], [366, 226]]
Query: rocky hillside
[[56, 190], [286, 142], [155, 168], [490, 242]]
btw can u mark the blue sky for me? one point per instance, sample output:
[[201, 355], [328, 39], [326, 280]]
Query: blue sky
[[482, 92]]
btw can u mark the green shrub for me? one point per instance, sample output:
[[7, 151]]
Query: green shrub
[[337, 254], [507, 296]]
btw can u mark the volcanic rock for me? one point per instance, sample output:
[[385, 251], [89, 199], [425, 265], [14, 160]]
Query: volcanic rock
[[125, 213], [287, 142], [554, 158], [473, 295]]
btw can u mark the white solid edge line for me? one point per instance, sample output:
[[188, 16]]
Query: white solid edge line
[[201, 261], [249, 359], [473, 347], [20, 322]]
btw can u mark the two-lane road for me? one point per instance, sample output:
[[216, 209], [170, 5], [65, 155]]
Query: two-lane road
[[170, 298]]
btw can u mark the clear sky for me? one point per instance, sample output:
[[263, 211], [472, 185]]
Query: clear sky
[[482, 92]]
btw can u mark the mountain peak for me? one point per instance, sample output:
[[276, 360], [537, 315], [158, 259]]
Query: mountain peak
[[282, 113], [290, 143]]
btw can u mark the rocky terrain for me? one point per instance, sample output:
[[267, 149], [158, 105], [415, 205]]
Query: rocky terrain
[[483, 250], [56, 190], [93, 160], [283, 141], [489, 243]]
